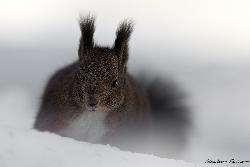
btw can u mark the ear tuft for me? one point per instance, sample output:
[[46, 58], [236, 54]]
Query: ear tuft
[[87, 27], [123, 34]]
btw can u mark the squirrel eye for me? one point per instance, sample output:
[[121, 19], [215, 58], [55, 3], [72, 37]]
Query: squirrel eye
[[114, 84]]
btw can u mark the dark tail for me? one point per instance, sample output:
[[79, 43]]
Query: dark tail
[[170, 115]]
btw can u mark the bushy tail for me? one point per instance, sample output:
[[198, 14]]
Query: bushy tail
[[170, 114], [167, 101]]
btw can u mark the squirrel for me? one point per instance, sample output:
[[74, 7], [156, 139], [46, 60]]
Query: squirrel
[[95, 99]]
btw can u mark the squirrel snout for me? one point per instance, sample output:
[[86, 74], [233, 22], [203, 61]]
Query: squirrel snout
[[92, 101]]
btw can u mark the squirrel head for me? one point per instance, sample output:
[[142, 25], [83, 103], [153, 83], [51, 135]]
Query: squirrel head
[[100, 80]]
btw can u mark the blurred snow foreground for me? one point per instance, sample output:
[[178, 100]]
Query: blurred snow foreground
[[31, 148], [20, 145]]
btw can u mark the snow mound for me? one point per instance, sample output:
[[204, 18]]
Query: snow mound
[[29, 148]]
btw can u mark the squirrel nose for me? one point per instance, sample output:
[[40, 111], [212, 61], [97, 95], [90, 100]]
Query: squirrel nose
[[92, 101]]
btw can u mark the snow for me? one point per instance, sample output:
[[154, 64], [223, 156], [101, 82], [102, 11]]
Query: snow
[[20, 145], [31, 148]]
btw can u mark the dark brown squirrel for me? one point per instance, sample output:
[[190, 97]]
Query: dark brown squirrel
[[95, 99]]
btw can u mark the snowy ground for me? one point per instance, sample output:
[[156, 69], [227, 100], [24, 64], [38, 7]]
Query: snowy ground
[[30, 148]]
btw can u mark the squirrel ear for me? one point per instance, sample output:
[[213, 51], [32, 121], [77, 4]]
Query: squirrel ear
[[122, 37], [87, 27]]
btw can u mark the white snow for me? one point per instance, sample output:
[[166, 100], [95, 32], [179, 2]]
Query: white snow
[[31, 148]]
